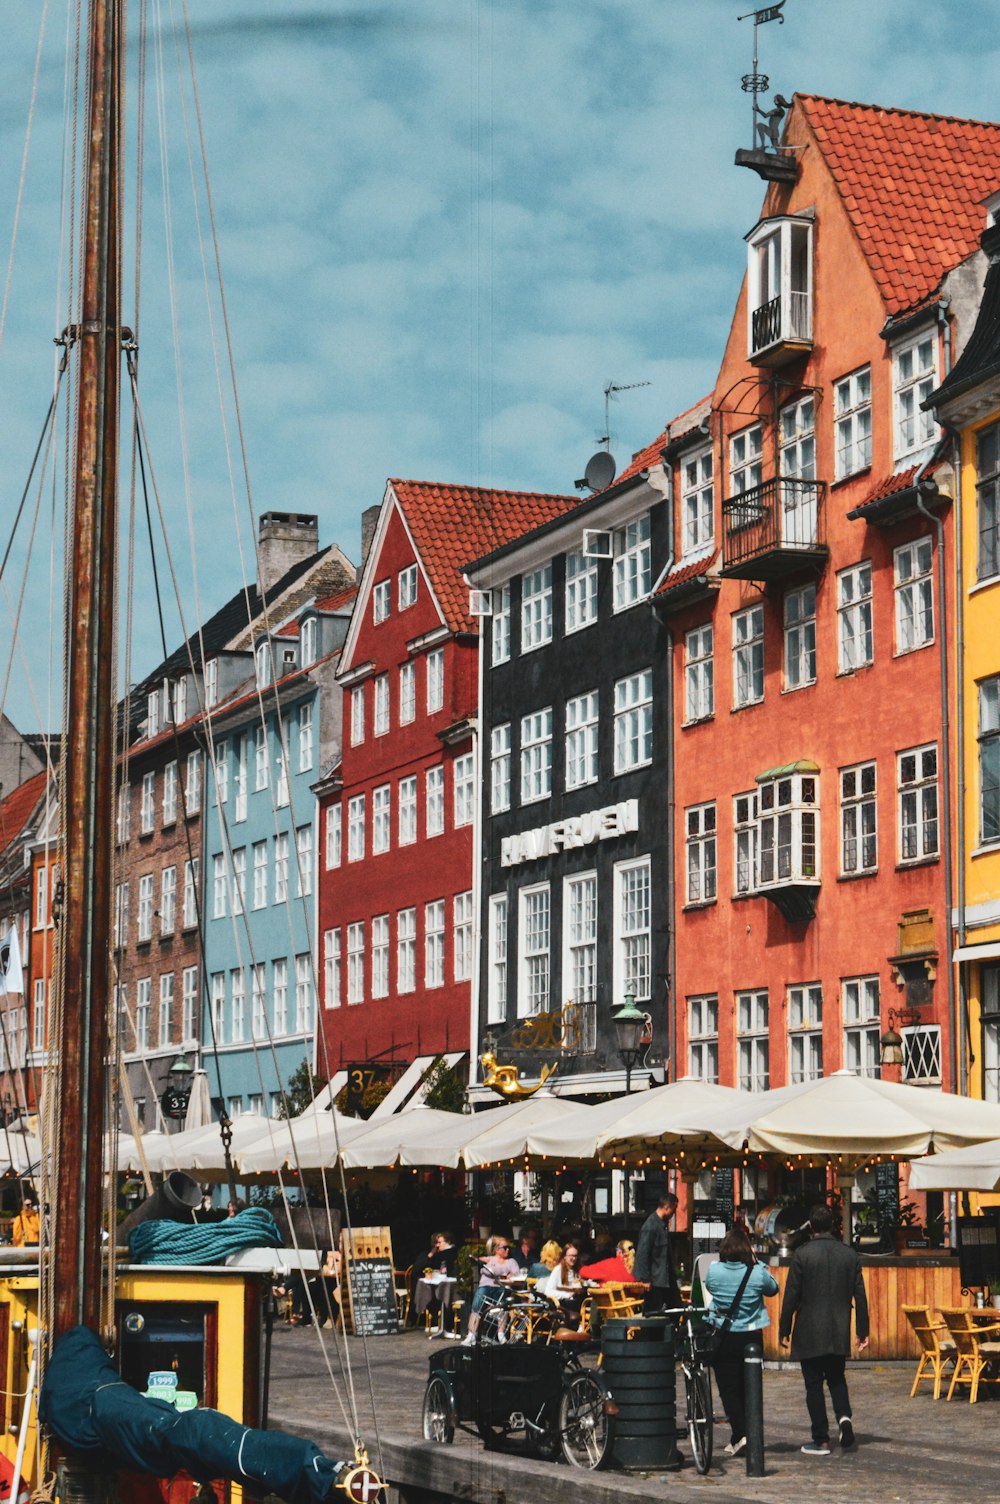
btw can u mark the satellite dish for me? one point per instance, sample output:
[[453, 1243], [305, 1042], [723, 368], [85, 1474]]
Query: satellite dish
[[600, 472]]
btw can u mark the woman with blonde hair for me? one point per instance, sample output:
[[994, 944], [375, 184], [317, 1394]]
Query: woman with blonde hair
[[547, 1260], [565, 1286], [496, 1269]]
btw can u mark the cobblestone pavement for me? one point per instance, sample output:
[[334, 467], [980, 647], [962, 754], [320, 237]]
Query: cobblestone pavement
[[907, 1449]]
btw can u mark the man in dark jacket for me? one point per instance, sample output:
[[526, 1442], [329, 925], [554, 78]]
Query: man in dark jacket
[[824, 1280], [654, 1263]]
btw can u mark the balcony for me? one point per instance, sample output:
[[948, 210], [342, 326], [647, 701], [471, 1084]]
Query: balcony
[[773, 530], [779, 290], [781, 329]]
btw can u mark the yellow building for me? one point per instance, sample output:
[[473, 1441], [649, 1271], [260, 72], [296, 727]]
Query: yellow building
[[968, 402]]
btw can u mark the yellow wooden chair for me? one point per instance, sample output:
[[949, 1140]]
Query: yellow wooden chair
[[937, 1348], [614, 1300], [973, 1354]]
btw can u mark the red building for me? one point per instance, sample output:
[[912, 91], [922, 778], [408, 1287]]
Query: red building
[[810, 605], [396, 901], [26, 893]]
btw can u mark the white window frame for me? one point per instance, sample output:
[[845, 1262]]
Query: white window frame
[[536, 608], [143, 1000], [746, 460], [534, 946], [632, 935], [464, 788], [462, 936], [859, 820], [500, 768], [238, 884], [192, 784], [434, 921], [261, 758], [852, 423], [699, 674], [632, 567], [581, 739], [633, 721], [189, 916], [497, 977], [748, 657], [190, 993], [797, 439], [407, 693], [304, 861], [406, 951], [805, 1032], [355, 963], [331, 968], [220, 886], [381, 601], [579, 962], [800, 637], [701, 848], [168, 900], [434, 801], [147, 816], [703, 1037], [218, 1004], [381, 818], [918, 804], [237, 1005], [753, 1040], [914, 377], [170, 793], [406, 587], [240, 780], [381, 713], [697, 500], [307, 641], [408, 810], [745, 842], [500, 626], [380, 955], [855, 626], [123, 814], [211, 681], [921, 1055], [435, 681], [303, 993], [988, 503], [913, 581], [356, 828], [788, 830], [860, 1008], [580, 592], [281, 867], [334, 836], [221, 772], [988, 760], [305, 737], [145, 919], [536, 755], [357, 715]]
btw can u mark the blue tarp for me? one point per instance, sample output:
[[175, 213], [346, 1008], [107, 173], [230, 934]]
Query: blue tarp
[[96, 1414], [159, 1242]]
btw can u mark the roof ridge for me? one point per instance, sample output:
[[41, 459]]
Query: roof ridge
[[447, 485], [898, 109]]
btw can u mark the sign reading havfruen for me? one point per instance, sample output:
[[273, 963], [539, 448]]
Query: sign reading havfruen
[[581, 830]]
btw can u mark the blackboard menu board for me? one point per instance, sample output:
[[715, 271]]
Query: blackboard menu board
[[725, 1196], [373, 1297], [887, 1191]]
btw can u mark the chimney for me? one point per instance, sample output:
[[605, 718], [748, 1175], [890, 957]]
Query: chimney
[[369, 522], [285, 539]]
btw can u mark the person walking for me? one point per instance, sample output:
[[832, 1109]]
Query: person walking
[[654, 1263], [738, 1286], [824, 1281]]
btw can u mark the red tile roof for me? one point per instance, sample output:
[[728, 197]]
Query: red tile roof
[[891, 485], [645, 458], [913, 186], [18, 807], [681, 573], [453, 524], [338, 601]]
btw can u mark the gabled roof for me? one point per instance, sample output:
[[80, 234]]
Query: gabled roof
[[338, 601], [912, 185], [18, 807], [645, 459]]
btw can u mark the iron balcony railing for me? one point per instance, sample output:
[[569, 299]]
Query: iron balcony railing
[[782, 319], [783, 515]]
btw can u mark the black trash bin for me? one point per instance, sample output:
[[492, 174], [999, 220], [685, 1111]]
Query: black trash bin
[[638, 1362]]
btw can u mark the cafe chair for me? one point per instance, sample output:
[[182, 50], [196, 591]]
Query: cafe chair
[[973, 1354], [614, 1300], [403, 1283], [937, 1348]]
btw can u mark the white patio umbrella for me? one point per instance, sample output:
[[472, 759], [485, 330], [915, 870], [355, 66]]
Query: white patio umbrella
[[309, 1142], [200, 1149], [20, 1150], [199, 1107], [385, 1144], [484, 1137], [975, 1168], [135, 1152], [666, 1116]]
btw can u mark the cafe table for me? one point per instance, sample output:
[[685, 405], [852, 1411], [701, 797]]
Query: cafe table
[[431, 1287]]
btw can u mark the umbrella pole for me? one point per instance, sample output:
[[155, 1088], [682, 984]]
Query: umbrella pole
[[845, 1185]]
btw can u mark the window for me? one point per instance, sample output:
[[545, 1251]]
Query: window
[[407, 587], [496, 986], [381, 818], [701, 853], [406, 950], [281, 779], [407, 811], [797, 441], [407, 693], [752, 1040], [990, 1009], [143, 990], [434, 943], [536, 755], [581, 591], [381, 601], [356, 963], [190, 916], [357, 715], [303, 994], [854, 618], [536, 608], [240, 810], [500, 626], [41, 899], [356, 828], [697, 499], [260, 874], [38, 1016], [218, 1014], [779, 284], [239, 879], [464, 790], [632, 572], [859, 999], [435, 801], [435, 681], [211, 681], [634, 721], [381, 705], [632, 969], [189, 1003], [788, 830], [462, 915], [800, 637], [221, 772], [500, 768], [281, 867], [153, 713], [331, 968], [703, 1038], [307, 642], [745, 464], [219, 887], [258, 1013], [699, 674], [918, 804], [914, 377], [745, 842], [261, 758], [989, 760], [534, 935], [581, 740], [123, 814], [334, 837], [121, 915], [145, 908], [852, 422], [180, 700], [748, 657], [238, 992], [580, 938], [988, 501], [305, 737], [280, 985], [265, 664], [858, 833], [170, 793], [146, 816], [805, 1033], [380, 955], [168, 900], [922, 1055], [304, 852], [192, 784], [914, 595]]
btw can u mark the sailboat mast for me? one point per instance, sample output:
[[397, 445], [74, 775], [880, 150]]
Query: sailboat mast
[[88, 761]]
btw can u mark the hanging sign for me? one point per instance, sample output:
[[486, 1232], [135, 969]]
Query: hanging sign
[[565, 835]]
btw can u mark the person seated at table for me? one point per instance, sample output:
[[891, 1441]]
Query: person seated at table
[[547, 1260], [326, 1288], [565, 1286], [442, 1255], [616, 1270], [525, 1250], [497, 1270]]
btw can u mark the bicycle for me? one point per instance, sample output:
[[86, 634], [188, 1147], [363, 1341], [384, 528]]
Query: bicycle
[[697, 1385]]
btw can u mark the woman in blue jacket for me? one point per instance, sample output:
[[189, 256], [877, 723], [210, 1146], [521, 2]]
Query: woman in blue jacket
[[749, 1318]]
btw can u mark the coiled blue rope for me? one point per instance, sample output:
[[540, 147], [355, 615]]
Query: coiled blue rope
[[156, 1242]]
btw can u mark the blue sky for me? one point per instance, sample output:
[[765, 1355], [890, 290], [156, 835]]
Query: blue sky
[[444, 226]]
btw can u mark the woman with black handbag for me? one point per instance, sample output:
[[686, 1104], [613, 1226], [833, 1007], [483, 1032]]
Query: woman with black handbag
[[738, 1286]]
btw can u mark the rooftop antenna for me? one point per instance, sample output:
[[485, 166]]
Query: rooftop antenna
[[601, 467], [765, 156]]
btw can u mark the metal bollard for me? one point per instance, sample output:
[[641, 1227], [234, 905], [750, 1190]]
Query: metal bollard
[[753, 1399]]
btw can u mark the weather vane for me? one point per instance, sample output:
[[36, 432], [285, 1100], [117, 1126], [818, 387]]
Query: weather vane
[[765, 156]]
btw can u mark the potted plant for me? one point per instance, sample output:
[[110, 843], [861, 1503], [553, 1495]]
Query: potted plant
[[995, 1293], [907, 1222]]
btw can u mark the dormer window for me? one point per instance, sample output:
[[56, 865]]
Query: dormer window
[[180, 701], [779, 286], [264, 663], [211, 681], [307, 641], [153, 713]]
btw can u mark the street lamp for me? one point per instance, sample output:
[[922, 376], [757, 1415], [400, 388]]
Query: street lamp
[[630, 1026], [175, 1099], [890, 1046]]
